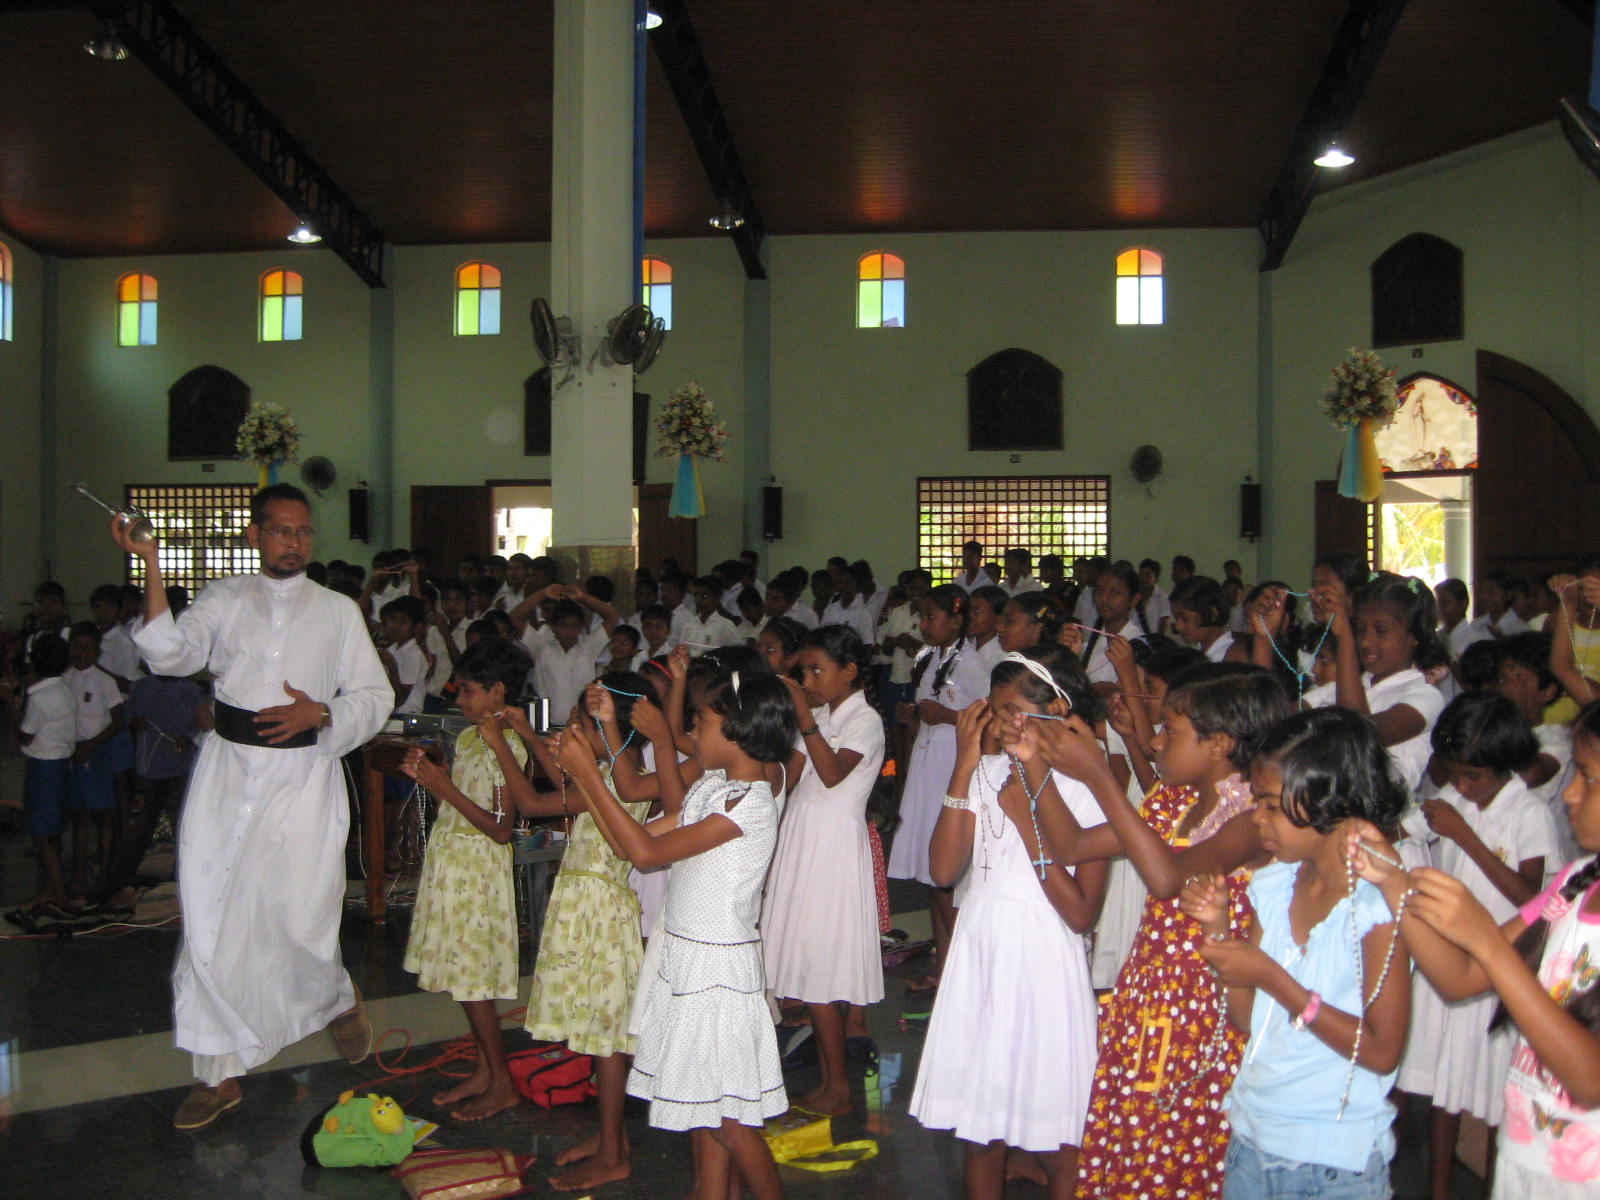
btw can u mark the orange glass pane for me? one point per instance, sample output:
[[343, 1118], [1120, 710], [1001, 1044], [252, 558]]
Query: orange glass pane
[[1149, 262], [147, 287], [467, 276], [272, 284], [657, 270], [128, 287], [488, 276], [293, 285], [870, 267], [894, 267], [1128, 262]]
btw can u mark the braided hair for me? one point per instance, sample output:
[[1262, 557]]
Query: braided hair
[[948, 598], [1583, 1006]]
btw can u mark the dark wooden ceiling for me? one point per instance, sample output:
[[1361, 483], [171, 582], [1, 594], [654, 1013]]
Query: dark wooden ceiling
[[850, 116]]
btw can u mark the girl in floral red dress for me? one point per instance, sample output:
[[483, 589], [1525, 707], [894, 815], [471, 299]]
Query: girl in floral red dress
[[1156, 1128]]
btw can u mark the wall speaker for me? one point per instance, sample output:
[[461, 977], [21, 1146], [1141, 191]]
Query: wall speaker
[[1250, 511], [360, 514], [772, 513]]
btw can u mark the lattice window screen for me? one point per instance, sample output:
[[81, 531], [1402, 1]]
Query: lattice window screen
[[201, 527], [1069, 515]]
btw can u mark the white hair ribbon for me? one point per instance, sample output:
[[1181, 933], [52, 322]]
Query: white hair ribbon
[[733, 682], [1039, 671]]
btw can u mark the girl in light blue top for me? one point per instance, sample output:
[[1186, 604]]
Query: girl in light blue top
[[1324, 988]]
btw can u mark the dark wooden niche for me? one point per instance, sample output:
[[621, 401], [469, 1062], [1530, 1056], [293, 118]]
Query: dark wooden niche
[[204, 411], [1014, 403], [536, 435], [1417, 293]]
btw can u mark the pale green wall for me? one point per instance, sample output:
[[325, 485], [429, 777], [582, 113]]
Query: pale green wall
[[1527, 217], [859, 414], [111, 419], [458, 401], [856, 415], [21, 518]]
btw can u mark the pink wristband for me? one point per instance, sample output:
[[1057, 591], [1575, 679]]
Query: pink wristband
[[1309, 1013]]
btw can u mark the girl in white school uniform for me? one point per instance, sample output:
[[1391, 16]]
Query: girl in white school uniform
[[1010, 1053], [1494, 835], [942, 690], [819, 921], [1381, 634], [1116, 595]]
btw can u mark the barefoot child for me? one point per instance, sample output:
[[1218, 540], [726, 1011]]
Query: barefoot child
[[589, 955], [464, 930], [708, 1057], [819, 925]]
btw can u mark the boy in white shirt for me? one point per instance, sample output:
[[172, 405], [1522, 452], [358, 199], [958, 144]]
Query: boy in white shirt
[[752, 614], [447, 638], [783, 601], [673, 591], [46, 723], [655, 627], [846, 608], [403, 618], [972, 575], [118, 658], [91, 792], [709, 628], [1157, 606], [563, 651], [1019, 572]]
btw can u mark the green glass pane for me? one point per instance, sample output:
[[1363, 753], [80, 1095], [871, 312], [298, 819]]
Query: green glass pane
[[869, 304], [467, 313], [272, 319], [128, 323]]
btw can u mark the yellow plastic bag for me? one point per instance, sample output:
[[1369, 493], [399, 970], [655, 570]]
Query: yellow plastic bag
[[801, 1140]]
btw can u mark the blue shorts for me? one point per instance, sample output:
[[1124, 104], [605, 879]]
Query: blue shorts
[[44, 797], [891, 697], [91, 788], [1250, 1173], [118, 752]]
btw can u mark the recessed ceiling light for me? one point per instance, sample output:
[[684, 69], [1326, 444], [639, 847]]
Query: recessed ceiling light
[[305, 235], [1333, 157], [652, 19]]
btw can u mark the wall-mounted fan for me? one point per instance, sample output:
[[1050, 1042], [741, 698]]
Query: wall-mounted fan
[[634, 337], [552, 335], [318, 473], [1146, 463]]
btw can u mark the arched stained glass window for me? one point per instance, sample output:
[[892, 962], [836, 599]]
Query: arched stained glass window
[[880, 291], [1139, 284], [281, 299], [136, 310], [477, 299], [6, 299], [658, 289]]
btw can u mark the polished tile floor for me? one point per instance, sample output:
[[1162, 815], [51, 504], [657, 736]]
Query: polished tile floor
[[89, 1081]]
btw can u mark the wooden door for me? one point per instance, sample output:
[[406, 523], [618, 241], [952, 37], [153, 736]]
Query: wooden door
[[1538, 471], [453, 522], [661, 536], [1339, 522]]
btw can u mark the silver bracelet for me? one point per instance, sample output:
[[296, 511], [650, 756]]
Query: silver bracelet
[[960, 802]]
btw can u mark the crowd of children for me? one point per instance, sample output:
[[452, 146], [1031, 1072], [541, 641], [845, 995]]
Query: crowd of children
[[1239, 815]]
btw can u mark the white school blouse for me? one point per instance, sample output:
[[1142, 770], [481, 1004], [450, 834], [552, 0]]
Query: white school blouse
[[1411, 688]]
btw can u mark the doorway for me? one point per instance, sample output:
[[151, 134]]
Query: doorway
[[524, 518]]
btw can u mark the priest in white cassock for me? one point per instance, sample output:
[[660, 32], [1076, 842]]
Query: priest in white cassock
[[262, 839]]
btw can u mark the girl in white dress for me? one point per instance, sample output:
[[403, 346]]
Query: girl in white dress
[[942, 690], [819, 924], [707, 1056], [1494, 835], [1010, 1053]]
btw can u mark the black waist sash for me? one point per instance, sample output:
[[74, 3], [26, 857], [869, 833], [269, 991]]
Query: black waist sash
[[238, 725]]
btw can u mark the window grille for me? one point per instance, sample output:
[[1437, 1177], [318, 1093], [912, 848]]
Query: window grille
[[201, 529], [1069, 515]]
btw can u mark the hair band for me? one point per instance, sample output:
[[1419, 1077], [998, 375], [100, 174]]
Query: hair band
[[733, 682], [1039, 672]]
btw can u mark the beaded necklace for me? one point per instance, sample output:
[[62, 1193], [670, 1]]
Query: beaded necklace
[[1572, 640], [1383, 975], [1033, 812]]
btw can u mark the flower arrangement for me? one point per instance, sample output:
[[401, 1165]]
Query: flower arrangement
[[688, 425], [268, 435], [1360, 388]]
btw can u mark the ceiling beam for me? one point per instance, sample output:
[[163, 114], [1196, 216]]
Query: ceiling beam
[[1357, 49], [678, 51], [164, 41]]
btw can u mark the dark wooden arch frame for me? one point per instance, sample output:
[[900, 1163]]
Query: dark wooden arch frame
[[1566, 412]]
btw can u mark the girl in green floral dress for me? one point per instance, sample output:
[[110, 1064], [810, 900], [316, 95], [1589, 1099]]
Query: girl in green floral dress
[[589, 956], [464, 928]]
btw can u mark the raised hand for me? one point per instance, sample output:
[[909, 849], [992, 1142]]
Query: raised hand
[[1070, 747], [648, 720], [1119, 652], [1445, 819], [599, 703], [121, 524], [1370, 852], [1445, 904], [417, 765], [1205, 898], [1072, 638], [678, 662]]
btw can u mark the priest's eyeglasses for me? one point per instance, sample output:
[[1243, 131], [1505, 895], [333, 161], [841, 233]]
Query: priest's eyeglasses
[[287, 533]]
